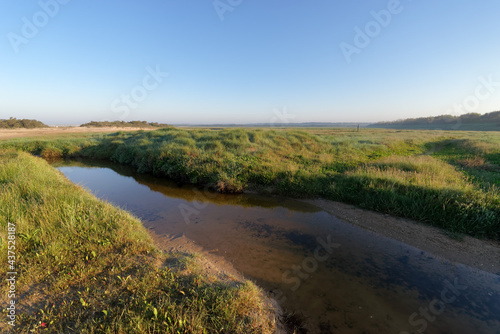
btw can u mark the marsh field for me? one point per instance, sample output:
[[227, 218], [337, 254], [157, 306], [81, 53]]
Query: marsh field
[[85, 265]]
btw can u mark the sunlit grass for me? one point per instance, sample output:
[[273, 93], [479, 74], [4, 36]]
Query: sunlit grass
[[448, 179], [426, 189]]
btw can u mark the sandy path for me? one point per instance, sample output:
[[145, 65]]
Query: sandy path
[[57, 131]]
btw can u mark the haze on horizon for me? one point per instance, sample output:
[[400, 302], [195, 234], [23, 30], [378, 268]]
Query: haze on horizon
[[70, 62]]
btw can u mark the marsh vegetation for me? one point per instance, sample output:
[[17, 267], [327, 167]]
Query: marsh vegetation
[[86, 265], [446, 179]]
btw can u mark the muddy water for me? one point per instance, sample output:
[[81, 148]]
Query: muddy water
[[337, 277]]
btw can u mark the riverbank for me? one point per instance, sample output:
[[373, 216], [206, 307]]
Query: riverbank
[[83, 265], [476, 253]]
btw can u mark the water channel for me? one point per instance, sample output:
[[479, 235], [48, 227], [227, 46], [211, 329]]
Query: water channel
[[337, 277]]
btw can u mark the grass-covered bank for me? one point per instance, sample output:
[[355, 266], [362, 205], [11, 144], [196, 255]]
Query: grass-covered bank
[[84, 266], [447, 179]]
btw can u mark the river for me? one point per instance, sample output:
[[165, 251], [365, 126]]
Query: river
[[333, 276]]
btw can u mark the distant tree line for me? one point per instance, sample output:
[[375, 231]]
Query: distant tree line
[[470, 118], [123, 124], [14, 123]]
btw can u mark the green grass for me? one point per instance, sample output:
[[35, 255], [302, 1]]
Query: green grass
[[85, 266], [446, 179]]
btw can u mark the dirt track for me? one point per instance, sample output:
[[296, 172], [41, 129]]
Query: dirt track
[[57, 131]]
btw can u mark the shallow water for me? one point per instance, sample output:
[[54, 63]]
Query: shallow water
[[337, 277]]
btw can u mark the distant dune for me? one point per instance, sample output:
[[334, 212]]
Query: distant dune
[[14, 123], [467, 122]]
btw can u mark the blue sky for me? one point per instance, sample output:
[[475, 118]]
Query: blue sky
[[231, 61]]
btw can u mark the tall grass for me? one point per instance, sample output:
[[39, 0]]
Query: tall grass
[[445, 179], [85, 266], [425, 189], [231, 160]]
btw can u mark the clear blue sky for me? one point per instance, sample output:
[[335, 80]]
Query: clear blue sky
[[266, 61]]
